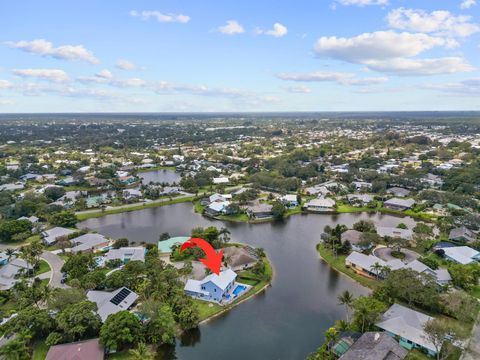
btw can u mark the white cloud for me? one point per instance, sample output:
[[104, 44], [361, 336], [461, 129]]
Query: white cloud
[[54, 75], [106, 77], [342, 78], [5, 84], [232, 27], [380, 45], [467, 4], [104, 74], [298, 89], [125, 65], [421, 67], [392, 53], [45, 48], [160, 17], [468, 87], [6, 102], [362, 2], [439, 22], [278, 30]]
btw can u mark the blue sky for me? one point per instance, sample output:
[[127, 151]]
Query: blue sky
[[268, 55]]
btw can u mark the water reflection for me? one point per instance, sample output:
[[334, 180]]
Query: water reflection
[[286, 321]]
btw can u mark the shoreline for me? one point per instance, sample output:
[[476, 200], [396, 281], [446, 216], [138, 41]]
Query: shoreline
[[365, 281], [242, 299]]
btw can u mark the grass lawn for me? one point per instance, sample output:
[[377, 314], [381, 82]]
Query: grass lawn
[[40, 350], [475, 292], [43, 267], [173, 168], [338, 263], [142, 206]]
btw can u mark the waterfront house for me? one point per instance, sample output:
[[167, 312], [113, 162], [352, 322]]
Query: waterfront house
[[462, 234], [393, 232], [51, 236], [126, 254], [217, 208], [342, 342], [461, 254], [112, 302], [165, 246], [260, 211], [359, 199], [399, 204], [375, 346], [239, 258], [369, 266], [214, 287], [81, 350], [320, 205], [354, 237], [407, 325], [89, 242], [319, 190], [289, 200]]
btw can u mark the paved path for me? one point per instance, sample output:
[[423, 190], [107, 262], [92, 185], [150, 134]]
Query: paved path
[[55, 262], [384, 253]]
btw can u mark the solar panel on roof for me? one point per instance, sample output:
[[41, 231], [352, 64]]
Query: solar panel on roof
[[122, 294]]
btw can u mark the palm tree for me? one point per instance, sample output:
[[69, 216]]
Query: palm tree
[[9, 252], [141, 352], [346, 299], [224, 234], [377, 269]]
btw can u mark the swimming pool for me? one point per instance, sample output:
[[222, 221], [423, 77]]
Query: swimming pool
[[239, 289]]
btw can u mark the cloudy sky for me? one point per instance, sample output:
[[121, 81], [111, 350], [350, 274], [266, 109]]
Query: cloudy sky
[[218, 55]]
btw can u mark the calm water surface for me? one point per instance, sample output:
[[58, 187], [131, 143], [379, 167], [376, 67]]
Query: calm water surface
[[160, 176], [286, 321]]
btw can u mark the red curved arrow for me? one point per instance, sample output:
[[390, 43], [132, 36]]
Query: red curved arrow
[[213, 260]]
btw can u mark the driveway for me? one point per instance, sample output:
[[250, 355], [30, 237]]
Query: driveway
[[384, 253], [56, 263]]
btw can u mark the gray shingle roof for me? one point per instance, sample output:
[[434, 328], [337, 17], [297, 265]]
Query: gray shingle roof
[[375, 346]]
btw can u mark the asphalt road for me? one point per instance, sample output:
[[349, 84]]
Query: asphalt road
[[56, 263]]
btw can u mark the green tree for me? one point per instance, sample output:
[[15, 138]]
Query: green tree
[[346, 299], [367, 311], [17, 348], [10, 228], [79, 321], [141, 352], [121, 330], [122, 242], [59, 299], [278, 210], [37, 321], [365, 226], [161, 328], [436, 332], [78, 265], [64, 218]]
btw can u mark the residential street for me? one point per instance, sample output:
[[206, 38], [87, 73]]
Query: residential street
[[56, 263]]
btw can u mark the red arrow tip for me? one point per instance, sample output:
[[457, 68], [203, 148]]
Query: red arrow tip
[[214, 262]]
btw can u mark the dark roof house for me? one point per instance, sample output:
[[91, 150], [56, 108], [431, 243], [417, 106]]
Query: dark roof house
[[375, 346]]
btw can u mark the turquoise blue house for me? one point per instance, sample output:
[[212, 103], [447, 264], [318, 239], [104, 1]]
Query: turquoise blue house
[[406, 325], [165, 246]]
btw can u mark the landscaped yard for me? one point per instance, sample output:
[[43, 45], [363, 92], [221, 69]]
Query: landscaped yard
[[248, 277], [40, 350], [43, 267]]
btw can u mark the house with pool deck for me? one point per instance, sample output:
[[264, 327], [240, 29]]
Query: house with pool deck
[[221, 288]]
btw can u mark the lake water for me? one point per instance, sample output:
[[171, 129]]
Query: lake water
[[160, 176], [287, 321]]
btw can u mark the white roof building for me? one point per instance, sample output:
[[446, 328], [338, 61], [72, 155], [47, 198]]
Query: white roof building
[[126, 254], [89, 242], [52, 235], [462, 254], [112, 302]]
